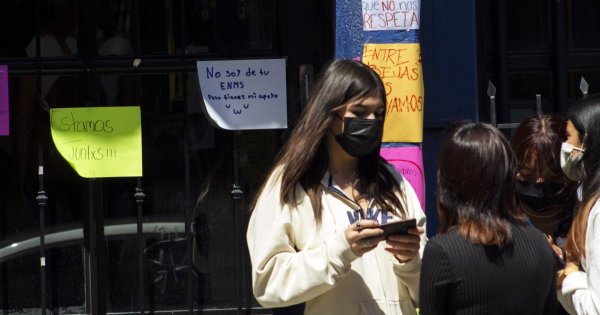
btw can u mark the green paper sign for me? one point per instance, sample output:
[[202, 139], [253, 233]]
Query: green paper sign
[[99, 141]]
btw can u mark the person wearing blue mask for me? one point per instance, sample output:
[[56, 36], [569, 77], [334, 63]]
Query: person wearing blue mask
[[313, 236], [580, 161]]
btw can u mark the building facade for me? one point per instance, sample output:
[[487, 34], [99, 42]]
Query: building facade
[[174, 240]]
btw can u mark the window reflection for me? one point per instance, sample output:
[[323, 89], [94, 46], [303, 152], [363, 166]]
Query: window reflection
[[165, 269], [18, 214], [164, 169], [20, 285], [254, 24], [159, 27], [122, 274], [525, 85], [531, 20], [178, 143], [21, 19], [64, 188], [58, 36], [113, 28], [592, 77], [231, 26], [202, 27], [583, 24], [115, 90]]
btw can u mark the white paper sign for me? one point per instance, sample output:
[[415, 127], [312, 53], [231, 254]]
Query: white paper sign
[[381, 15], [244, 94]]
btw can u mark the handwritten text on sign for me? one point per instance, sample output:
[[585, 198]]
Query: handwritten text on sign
[[4, 128], [399, 66], [99, 141], [379, 15], [244, 94]]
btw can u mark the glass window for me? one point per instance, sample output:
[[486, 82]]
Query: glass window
[[591, 76], [30, 127], [65, 279], [165, 268], [583, 23], [18, 209], [58, 34], [202, 26], [160, 31], [213, 219], [253, 25], [531, 20], [113, 27], [122, 273], [20, 281], [188, 163], [115, 89], [16, 28], [120, 201], [231, 26], [65, 189], [525, 85], [163, 123]]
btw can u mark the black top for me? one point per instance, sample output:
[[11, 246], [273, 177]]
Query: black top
[[459, 277]]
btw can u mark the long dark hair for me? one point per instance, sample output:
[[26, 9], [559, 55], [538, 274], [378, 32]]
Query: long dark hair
[[476, 176], [304, 157], [585, 117]]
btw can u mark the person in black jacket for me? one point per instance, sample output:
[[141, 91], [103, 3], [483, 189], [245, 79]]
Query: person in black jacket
[[487, 259]]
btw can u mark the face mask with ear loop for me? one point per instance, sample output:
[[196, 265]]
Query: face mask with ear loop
[[540, 197], [572, 165], [360, 136]]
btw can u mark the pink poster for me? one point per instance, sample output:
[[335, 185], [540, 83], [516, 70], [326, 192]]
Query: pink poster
[[4, 100], [408, 161]]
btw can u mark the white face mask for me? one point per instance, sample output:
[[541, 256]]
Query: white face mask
[[572, 165]]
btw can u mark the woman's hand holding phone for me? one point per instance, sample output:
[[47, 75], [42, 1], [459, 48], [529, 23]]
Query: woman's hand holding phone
[[403, 238], [363, 236], [405, 247]]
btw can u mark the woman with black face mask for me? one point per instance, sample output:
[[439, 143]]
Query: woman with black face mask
[[546, 193], [548, 196], [313, 235]]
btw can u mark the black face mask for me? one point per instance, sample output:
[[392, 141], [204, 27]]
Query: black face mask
[[360, 136], [540, 196]]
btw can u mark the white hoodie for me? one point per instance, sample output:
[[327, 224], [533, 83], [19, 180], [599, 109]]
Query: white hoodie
[[581, 289], [295, 261]]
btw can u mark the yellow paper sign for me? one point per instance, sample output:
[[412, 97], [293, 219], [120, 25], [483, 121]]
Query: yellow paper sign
[[399, 66], [99, 141]]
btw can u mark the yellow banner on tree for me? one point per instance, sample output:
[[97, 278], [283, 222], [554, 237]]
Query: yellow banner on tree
[[399, 66], [99, 141]]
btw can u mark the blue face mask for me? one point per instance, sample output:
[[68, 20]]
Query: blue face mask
[[360, 136]]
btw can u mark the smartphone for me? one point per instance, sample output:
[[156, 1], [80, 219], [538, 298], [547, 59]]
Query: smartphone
[[397, 227]]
